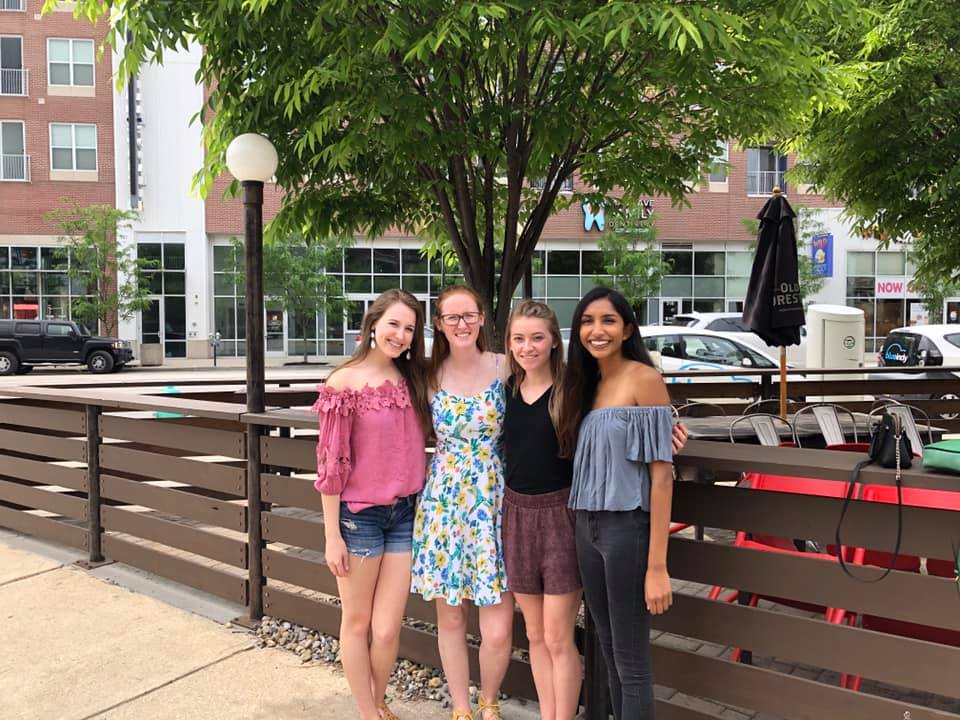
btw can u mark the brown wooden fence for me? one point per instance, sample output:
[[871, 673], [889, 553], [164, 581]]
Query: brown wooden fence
[[161, 483]]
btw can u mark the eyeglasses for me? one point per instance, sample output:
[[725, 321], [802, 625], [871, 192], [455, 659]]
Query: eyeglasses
[[453, 319]]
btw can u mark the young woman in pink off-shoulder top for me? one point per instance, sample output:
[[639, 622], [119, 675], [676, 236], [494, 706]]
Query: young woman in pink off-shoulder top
[[371, 464]]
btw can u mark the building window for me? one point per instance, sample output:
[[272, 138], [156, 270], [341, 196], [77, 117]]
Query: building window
[[14, 163], [11, 4], [73, 146], [541, 183], [70, 62], [765, 170], [718, 164], [165, 321], [13, 77], [34, 284]]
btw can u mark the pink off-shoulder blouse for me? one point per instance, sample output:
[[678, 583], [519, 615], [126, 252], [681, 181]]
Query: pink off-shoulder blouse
[[371, 446]]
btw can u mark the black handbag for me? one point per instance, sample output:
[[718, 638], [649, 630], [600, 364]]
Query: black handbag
[[889, 448]]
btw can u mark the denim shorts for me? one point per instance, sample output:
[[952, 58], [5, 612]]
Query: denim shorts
[[379, 528]]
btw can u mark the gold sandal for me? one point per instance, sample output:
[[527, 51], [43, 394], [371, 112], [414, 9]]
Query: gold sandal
[[461, 715], [386, 713], [493, 707]]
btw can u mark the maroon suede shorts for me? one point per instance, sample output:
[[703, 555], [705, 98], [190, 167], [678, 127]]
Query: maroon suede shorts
[[538, 543]]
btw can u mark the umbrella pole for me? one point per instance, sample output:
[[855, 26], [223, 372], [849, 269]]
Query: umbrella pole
[[783, 382]]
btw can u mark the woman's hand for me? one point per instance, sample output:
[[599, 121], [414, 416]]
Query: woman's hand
[[657, 590], [680, 435], [338, 559]]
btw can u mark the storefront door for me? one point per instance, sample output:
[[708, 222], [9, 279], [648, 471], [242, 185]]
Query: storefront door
[[275, 329]]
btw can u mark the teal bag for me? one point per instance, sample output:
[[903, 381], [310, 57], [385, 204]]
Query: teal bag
[[943, 455]]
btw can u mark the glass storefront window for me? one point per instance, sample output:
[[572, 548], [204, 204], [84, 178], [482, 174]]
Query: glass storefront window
[[592, 262], [739, 263], [413, 263], [26, 308], [23, 258], [860, 287], [4, 258], [890, 263], [4, 283], [708, 263], [861, 263], [673, 286], [55, 284], [55, 308], [386, 261], [564, 310], [681, 261], [150, 251], [563, 286], [358, 260], [382, 283], [537, 262], [890, 315], [357, 283], [563, 262], [224, 317], [174, 283], [53, 258], [25, 282], [415, 283], [708, 287], [737, 287], [224, 285], [224, 258]]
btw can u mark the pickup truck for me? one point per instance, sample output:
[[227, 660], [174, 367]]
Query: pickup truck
[[25, 343]]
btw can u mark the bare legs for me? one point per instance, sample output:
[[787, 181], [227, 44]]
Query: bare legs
[[373, 597], [554, 659], [496, 632]]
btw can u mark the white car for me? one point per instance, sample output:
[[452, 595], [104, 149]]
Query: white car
[[922, 345], [689, 349], [732, 325]]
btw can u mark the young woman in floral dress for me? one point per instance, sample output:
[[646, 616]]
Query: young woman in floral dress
[[457, 553]]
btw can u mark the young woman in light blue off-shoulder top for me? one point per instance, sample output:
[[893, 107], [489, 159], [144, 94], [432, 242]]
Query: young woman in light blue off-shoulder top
[[616, 422]]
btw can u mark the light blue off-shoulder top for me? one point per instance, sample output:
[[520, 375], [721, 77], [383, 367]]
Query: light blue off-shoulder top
[[614, 446]]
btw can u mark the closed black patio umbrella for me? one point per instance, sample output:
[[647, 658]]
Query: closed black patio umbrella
[[773, 307]]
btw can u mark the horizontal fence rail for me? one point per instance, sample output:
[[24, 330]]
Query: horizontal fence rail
[[161, 483]]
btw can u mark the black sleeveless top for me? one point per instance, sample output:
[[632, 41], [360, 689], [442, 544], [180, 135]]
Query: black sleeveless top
[[530, 444]]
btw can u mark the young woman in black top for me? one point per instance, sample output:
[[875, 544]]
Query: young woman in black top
[[538, 540]]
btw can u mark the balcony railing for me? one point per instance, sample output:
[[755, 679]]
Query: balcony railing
[[15, 167], [14, 81], [11, 4], [762, 182]]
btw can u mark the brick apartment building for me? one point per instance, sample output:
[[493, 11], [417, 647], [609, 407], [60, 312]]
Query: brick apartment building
[[56, 140], [66, 132]]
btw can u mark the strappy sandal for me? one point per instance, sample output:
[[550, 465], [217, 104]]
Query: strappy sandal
[[386, 713], [493, 707], [461, 715]]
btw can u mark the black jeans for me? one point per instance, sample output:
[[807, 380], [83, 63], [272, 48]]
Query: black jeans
[[612, 553]]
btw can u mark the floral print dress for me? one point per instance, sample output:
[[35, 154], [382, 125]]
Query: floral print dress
[[457, 553]]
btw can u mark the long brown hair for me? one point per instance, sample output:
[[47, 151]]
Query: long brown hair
[[540, 311], [582, 375], [441, 347], [414, 368]]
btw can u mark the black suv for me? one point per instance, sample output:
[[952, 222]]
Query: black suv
[[24, 343]]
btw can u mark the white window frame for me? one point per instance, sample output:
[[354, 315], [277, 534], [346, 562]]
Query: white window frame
[[26, 158], [72, 63], [4, 6], [780, 180], [73, 148]]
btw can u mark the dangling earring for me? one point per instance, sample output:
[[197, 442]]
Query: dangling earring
[[373, 342], [408, 353]]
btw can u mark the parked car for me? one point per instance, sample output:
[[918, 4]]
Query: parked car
[[691, 349], [732, 325], [25, 343], [922, 345]]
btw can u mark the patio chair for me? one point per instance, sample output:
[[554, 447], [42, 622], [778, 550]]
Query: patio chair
[[908, 417], [765, 426], [700, 409], [785, 545], [915, 497], [827, 416]]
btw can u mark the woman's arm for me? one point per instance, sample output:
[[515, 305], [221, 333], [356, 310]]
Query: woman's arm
[[657, 584], [335, 549]]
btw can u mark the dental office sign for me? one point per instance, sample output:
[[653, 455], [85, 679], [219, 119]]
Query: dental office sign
[[594, 216], [893, 288]]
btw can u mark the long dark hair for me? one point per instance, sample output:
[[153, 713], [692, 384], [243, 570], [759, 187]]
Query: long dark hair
[[582, 374], [441, 347], [414, 368]]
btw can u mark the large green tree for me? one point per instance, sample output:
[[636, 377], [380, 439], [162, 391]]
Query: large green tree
[[891, 149], [631, 257], [433, 115]]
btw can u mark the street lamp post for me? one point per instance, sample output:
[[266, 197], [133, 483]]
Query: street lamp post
[[252, 160]]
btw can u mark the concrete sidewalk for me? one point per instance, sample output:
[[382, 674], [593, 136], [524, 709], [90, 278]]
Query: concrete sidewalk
[[77, 646]]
